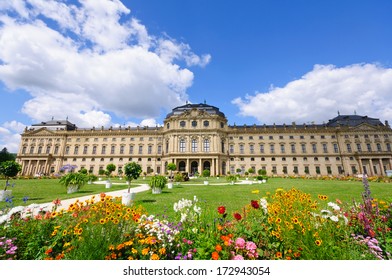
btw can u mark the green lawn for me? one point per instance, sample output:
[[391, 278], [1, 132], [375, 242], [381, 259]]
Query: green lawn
[[219, 192]]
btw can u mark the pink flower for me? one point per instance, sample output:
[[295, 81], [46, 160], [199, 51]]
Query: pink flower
[[251, 246], [238, 257], [239, 243]]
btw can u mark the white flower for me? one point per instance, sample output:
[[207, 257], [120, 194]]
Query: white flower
[[264, 205], [334, 218], [334, 206]]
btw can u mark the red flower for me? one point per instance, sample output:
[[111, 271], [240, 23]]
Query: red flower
[[237, 216], [221, 210], [255, 204]]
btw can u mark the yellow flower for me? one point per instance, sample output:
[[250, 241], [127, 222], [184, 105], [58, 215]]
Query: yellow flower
[[318, 242], [134, 251], [162, 251], [255, 191], [145, 251], [102, 221], [154, 257]]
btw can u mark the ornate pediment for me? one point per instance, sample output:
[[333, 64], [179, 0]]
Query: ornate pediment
[[364, 126], [40, 132]]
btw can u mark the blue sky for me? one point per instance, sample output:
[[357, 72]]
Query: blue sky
[[101, 62]]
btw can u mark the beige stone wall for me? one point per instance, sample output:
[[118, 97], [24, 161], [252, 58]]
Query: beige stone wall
[[196, 140]]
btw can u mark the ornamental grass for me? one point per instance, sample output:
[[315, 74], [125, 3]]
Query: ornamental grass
[[283, 225]]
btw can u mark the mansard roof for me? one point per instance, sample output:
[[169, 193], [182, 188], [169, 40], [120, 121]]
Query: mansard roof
[[53, 124], [201, 106], [353, 120]]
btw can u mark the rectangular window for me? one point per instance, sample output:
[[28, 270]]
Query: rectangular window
[[293, 148], [140, 149], [112, 149], [149, 150], [56, 150], [314, 148], [335, 148], [252, 149], [206, 145], [369, 147], [231, 149], [359, 148], [94, 150], [303, 148], [85, 150], [272, 148], [261, 148], [103, 151], [282, 149], [159, 149], [241, 149], [325, 148], [388, 147], [329, 170], [348, 148], [130, 149], [194, 145], [76, 150], [378, 147], [121, 149]]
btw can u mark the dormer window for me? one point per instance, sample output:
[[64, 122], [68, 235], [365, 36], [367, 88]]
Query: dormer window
[[206, 123], [194, 123], [182, 123]]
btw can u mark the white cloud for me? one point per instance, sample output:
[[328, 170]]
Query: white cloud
[[10, 135], [93, 60], [321, 93]]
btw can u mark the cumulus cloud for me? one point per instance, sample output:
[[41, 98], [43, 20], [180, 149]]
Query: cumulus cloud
[[90, 60], [10, 135], [321, 93]]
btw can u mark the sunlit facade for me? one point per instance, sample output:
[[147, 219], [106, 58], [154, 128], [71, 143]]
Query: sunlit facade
[[197, 137]]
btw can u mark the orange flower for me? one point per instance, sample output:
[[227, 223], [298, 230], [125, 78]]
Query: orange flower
[[279, 255], [215, 255], [218, 248]]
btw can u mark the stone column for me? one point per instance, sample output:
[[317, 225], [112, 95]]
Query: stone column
[[371, 167]]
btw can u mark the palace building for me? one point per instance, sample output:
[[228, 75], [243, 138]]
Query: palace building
[[197, 137]]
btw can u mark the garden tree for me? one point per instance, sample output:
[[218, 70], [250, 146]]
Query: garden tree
[[132, 171], [9, 169], [172, 167], [251, 171], [83, 171], [109, 169], [238, 170], [206, 173], [5, 155]]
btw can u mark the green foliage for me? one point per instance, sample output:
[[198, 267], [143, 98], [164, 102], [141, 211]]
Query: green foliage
[[92, 178], [171, 166], [262, 172], [6, 156], [110, 168], [9, 169], [251, 171], [132, 171], [206, 173], [231, 178], [76, 179], [83, 171], [157, 182], [179, 177], [101, 172]]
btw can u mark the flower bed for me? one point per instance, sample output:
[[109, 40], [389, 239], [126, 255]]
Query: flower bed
[[286, 224]]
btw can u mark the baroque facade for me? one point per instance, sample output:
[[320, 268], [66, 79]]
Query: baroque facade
[[197, 137]]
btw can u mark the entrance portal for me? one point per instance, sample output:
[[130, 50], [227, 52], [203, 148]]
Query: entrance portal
[[194, 167]]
